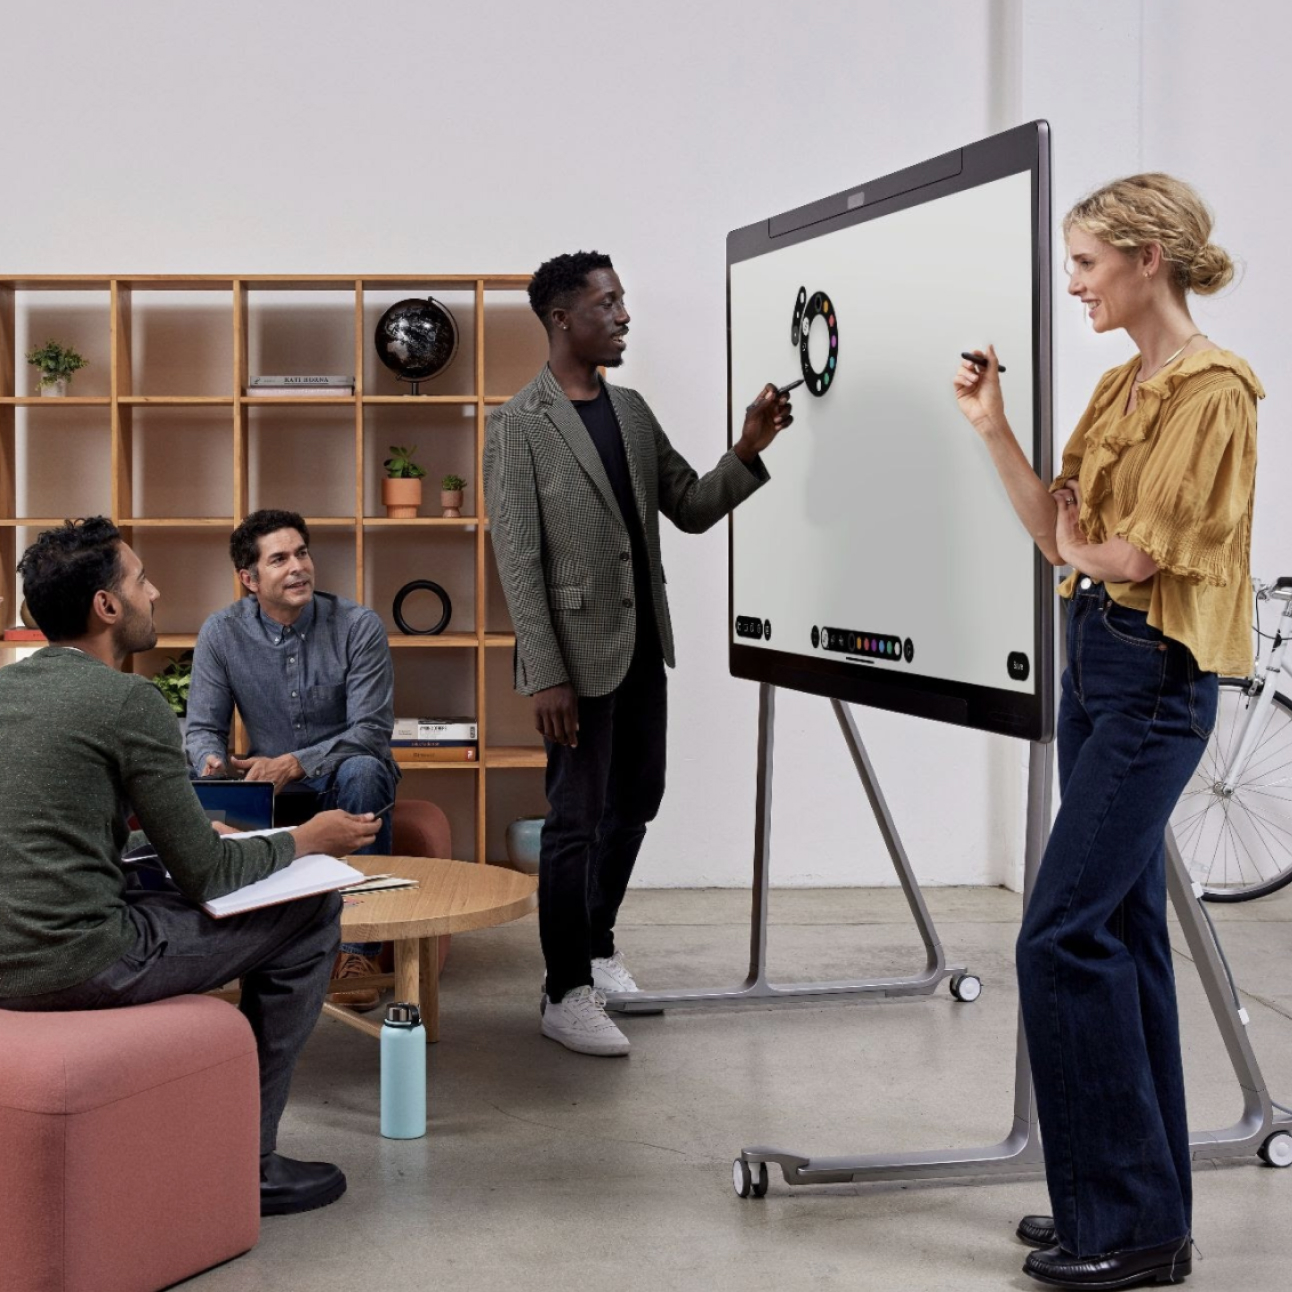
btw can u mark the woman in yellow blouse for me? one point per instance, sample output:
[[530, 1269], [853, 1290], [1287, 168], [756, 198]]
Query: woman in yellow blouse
[[1153, 509]]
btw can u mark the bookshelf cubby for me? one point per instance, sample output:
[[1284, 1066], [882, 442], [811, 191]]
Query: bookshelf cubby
[[161, 435]]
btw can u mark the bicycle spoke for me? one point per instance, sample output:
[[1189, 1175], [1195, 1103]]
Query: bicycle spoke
[[1189, 830], [1220, 837], [1259, 791], [1234, 843], [1258, 830], [1272, 825], [1254, 764]]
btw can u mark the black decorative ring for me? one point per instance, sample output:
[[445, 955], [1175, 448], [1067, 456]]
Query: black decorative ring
[[418, 585], [819, 382], [797, 324]]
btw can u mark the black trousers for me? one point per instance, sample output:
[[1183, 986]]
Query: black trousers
[[601, 795], [283, 954]]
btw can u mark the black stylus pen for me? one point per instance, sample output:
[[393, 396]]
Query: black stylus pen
[[981, 360], [780, 390]]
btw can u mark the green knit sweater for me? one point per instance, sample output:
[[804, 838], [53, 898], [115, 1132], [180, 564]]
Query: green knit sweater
[[81, 746]]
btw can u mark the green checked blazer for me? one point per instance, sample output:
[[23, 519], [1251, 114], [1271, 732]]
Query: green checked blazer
[[562, 545]]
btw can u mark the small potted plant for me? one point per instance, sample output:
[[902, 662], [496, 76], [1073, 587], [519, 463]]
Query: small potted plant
[[56, 363], [401, 490], [451, 494], [173, 682]]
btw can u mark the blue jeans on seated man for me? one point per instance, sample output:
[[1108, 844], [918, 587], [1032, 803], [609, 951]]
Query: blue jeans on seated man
[[359, 784], [1095, 978]]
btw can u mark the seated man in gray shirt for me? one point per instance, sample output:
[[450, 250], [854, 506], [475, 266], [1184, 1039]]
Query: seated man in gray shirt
[[310, 673], [82, 745]]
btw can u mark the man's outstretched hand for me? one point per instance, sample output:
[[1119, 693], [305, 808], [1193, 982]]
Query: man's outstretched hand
[[765, 419], [556, 714]]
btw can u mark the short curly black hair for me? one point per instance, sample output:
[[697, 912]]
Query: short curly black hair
[[63, 569], [244, 542], [555, 281]]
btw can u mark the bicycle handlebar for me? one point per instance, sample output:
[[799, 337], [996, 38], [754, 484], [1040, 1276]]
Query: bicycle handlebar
[[1279, 590]]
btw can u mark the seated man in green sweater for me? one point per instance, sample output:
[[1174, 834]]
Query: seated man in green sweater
[[82, 746]]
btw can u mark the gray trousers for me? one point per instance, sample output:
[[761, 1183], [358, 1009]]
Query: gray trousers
[[283, 954]]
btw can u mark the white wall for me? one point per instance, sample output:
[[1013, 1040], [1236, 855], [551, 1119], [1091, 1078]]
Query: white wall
[[333, 137]]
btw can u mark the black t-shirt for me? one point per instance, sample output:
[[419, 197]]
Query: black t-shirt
[[603, 426]]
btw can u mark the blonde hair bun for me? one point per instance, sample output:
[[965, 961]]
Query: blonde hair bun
[[1211, 270], [1141, 209]]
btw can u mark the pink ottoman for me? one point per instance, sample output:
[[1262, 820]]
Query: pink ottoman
[[129, 1145]]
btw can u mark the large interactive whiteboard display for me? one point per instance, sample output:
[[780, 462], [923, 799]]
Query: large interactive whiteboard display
[[883, 563]]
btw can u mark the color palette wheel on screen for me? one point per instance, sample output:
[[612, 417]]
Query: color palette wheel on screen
[[816, 379]]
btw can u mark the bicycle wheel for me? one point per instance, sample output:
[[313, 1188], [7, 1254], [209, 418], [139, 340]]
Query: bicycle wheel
[[1239, 846]]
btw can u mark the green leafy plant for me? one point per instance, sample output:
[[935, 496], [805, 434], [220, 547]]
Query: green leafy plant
[[173, 682], [452, 483], [400, 464], [56, 362]]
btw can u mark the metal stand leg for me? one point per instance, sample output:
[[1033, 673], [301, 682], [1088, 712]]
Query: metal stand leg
[[1020, 1151], [756, 989], [1259, 1120], [1259, 1129]]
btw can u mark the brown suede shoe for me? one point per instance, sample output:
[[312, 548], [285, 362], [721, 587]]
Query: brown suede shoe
[[349, 965]]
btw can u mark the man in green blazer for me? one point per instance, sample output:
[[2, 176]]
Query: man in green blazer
[[577, 472]]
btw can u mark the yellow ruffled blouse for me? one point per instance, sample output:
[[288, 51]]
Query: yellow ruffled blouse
[[1175, 477]]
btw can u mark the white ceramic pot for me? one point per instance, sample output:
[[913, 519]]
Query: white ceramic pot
[[56, 389]]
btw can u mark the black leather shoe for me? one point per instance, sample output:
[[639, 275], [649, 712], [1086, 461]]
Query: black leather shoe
[[288, 1186], [1170, 1263], [1038, 1231]]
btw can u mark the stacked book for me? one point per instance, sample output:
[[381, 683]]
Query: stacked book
[[298, 386], [437, 740]]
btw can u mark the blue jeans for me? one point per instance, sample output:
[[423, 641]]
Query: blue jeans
[[360, 784], [1094, 956]]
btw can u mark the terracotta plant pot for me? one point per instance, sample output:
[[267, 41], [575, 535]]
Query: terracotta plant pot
[[451, 501], [401, 497]]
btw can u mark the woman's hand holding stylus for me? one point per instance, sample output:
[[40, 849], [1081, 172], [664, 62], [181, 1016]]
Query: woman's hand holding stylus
[[977, 387]]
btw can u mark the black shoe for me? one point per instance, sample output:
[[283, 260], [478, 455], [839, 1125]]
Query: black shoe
[[288, 1186], [1170, 1263], [1038, 1231]]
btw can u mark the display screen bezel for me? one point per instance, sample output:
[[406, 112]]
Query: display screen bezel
[[1028, 716]]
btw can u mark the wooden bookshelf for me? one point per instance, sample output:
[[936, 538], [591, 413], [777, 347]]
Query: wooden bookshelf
[[131, 391]]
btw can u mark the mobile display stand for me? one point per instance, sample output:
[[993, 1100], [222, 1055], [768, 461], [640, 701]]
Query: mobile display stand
[[756, 989], [1259, 1130]]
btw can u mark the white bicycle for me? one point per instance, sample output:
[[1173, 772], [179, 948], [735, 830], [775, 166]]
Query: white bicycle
[[1233, 823]]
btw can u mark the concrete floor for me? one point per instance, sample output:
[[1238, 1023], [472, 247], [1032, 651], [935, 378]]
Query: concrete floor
[[549, 1170]]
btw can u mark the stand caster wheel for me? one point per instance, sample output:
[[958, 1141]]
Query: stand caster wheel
[[1277, 1149], [966, 987], [749, 1181]]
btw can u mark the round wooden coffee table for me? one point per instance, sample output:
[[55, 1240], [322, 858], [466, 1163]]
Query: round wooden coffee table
[[451, 897]]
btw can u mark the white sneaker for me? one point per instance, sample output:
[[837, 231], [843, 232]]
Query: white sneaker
[[611, 974], [579, 1022]]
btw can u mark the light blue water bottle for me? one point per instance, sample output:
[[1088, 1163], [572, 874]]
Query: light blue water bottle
[[403, 1072]]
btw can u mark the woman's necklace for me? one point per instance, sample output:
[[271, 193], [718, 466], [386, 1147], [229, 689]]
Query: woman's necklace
[[1169, 360]]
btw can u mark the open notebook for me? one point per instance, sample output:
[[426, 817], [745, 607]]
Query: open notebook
[[305, 877]]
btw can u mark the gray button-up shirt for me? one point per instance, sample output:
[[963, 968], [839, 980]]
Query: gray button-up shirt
[[322, 689]]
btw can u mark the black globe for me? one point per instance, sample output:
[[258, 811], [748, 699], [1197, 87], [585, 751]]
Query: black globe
[[416, 339]]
